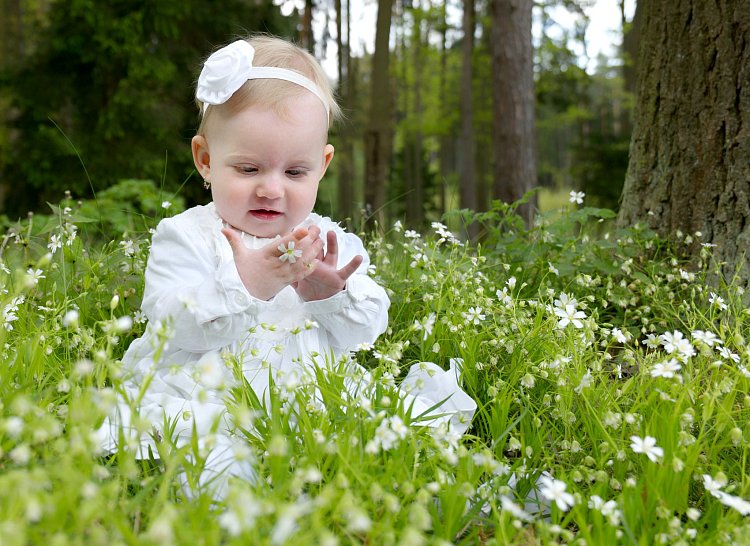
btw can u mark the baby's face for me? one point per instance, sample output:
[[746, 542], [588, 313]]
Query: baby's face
[[265, 168]]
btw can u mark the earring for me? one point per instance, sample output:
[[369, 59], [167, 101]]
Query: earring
[[206, 183]]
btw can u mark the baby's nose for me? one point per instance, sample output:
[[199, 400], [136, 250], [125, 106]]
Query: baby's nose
[[271, 187]]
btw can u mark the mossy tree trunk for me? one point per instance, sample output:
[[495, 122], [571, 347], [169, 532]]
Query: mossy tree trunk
[[689, 164]]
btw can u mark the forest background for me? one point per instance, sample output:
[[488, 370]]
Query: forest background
[[98, 92]]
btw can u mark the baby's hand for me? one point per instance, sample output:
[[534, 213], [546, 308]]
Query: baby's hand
[[263, 273], [325, 280]]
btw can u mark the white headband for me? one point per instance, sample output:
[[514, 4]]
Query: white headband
[[227, 69]]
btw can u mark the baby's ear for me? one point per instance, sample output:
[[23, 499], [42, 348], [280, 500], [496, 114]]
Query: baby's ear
[[201, 156], [327, 157]]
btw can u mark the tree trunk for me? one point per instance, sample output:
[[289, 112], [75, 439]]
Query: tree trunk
[[12, 37], [630, 42], [513, 101], [689, 167], [377, 134], [12, 40], [345, 157], [415, 183], [467, 164], [444, 136], [307, 37]]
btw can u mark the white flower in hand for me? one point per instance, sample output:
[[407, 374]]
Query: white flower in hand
[[224, 72], [289, 253]]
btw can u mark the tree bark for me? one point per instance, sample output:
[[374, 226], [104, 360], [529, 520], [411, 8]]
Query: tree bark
[[444, 136], [467, 164], [345, 149], [12, 41], [689, 167], [630, 42], [415, 183], [307, 37], [513, 101], [377, 134]]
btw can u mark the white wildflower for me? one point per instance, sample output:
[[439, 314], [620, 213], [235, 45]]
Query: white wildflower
[[555, 491], [726, 353], [652, 341], [289, 253], [667, 368], [586, 381], [647, 446], [718, 301], [70, 319], [568, 314], [576, 197], [712, 485], [128, 247], [425, 326], [123, 324], [620, 336], [55, 243], [737, 503], [33, 276], [677, 342], [507, 505], [474, 315], [709, 338]]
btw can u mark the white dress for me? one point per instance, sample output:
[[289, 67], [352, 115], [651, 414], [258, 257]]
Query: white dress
[[200, 314]]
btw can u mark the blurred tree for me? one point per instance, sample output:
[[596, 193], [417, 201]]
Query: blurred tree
[[513, 101], [306, 35], [444, 150], [377, 134], [582, 118], [346, 91], [110, 85], [689, 167], [414, 131], [467, 153], [562, 89]]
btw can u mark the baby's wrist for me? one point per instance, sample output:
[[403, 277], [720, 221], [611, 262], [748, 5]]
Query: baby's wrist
[[260, 290]]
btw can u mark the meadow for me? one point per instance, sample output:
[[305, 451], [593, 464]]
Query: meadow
[[611, 380]]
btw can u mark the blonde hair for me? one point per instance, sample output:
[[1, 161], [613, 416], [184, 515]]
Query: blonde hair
[[273, 93]]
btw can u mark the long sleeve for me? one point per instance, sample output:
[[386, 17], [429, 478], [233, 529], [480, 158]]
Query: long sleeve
[[187, 284], [359, 313]]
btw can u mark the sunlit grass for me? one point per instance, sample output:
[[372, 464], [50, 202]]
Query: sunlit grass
[[552, 199], [595, 356]]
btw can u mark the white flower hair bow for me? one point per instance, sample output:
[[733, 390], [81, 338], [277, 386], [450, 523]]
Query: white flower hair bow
[[227, 69]]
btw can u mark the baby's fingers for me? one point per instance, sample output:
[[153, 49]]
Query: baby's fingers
[[332, 252], [234, 241], [349, 269]]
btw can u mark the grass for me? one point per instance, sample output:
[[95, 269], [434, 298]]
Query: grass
[[579, 342]]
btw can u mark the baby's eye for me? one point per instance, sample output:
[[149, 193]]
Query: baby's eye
[[246, 169], [296, 173]]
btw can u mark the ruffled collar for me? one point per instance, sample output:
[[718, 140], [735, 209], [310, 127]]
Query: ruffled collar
[[252, 241]]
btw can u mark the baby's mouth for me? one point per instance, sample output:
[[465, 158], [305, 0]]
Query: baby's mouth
[[265, 214]]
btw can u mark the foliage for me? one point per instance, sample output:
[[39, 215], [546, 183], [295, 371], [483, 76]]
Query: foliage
[[594, 354], [109, 85], [106, 88], [583, 128]]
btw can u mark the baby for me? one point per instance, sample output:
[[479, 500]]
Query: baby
[[255, 275]]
